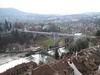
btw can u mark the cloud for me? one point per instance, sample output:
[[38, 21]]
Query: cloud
[[53, 6]]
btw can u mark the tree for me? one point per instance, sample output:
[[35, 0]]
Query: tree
[[78, 45], [0, 27], [95, 40], [6, 25], [18, 25], [56, 54], [15, 34], [68, 41], [10, 26], [98, 33], [54, 28], [97, 22]]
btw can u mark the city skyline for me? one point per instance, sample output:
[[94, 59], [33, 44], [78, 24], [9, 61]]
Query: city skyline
[[53, 6]]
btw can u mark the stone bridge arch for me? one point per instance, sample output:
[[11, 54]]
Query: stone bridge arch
[[36, 35], [70, 39], [54, 38]]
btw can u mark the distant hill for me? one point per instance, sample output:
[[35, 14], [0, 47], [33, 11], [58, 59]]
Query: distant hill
[[11, 11], [92, 13], [14, 14]]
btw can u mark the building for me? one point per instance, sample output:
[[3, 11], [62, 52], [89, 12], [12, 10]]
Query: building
[[87, 61], [60, 67], [20, 69]]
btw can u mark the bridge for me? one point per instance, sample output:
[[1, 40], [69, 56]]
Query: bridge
[[55, 36]]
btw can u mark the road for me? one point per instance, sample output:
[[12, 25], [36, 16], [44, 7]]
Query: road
[[59, 34], [76, 72]]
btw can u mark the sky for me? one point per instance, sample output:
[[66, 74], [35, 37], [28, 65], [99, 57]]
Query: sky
[[53, 6]]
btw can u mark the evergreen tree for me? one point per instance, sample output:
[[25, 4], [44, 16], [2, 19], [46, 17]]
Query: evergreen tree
[[6, 25], [15, 34], [0, 27], [56, 54], [10, 26]]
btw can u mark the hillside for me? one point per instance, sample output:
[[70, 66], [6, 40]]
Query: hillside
[[14, 14]]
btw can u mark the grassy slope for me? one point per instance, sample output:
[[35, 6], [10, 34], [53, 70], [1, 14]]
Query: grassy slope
[[48, 43], [44, 41]]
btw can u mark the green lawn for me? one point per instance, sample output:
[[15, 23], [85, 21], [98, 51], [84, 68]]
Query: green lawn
[[47, 43], [62, 42]]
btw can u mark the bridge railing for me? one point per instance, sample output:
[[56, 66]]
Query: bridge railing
[[60, 34]]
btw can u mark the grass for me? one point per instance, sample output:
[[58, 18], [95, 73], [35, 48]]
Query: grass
[[47, 43], [62, 42], [44, 41]]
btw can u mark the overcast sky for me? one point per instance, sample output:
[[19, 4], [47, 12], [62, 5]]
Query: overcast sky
[[53, 6]]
